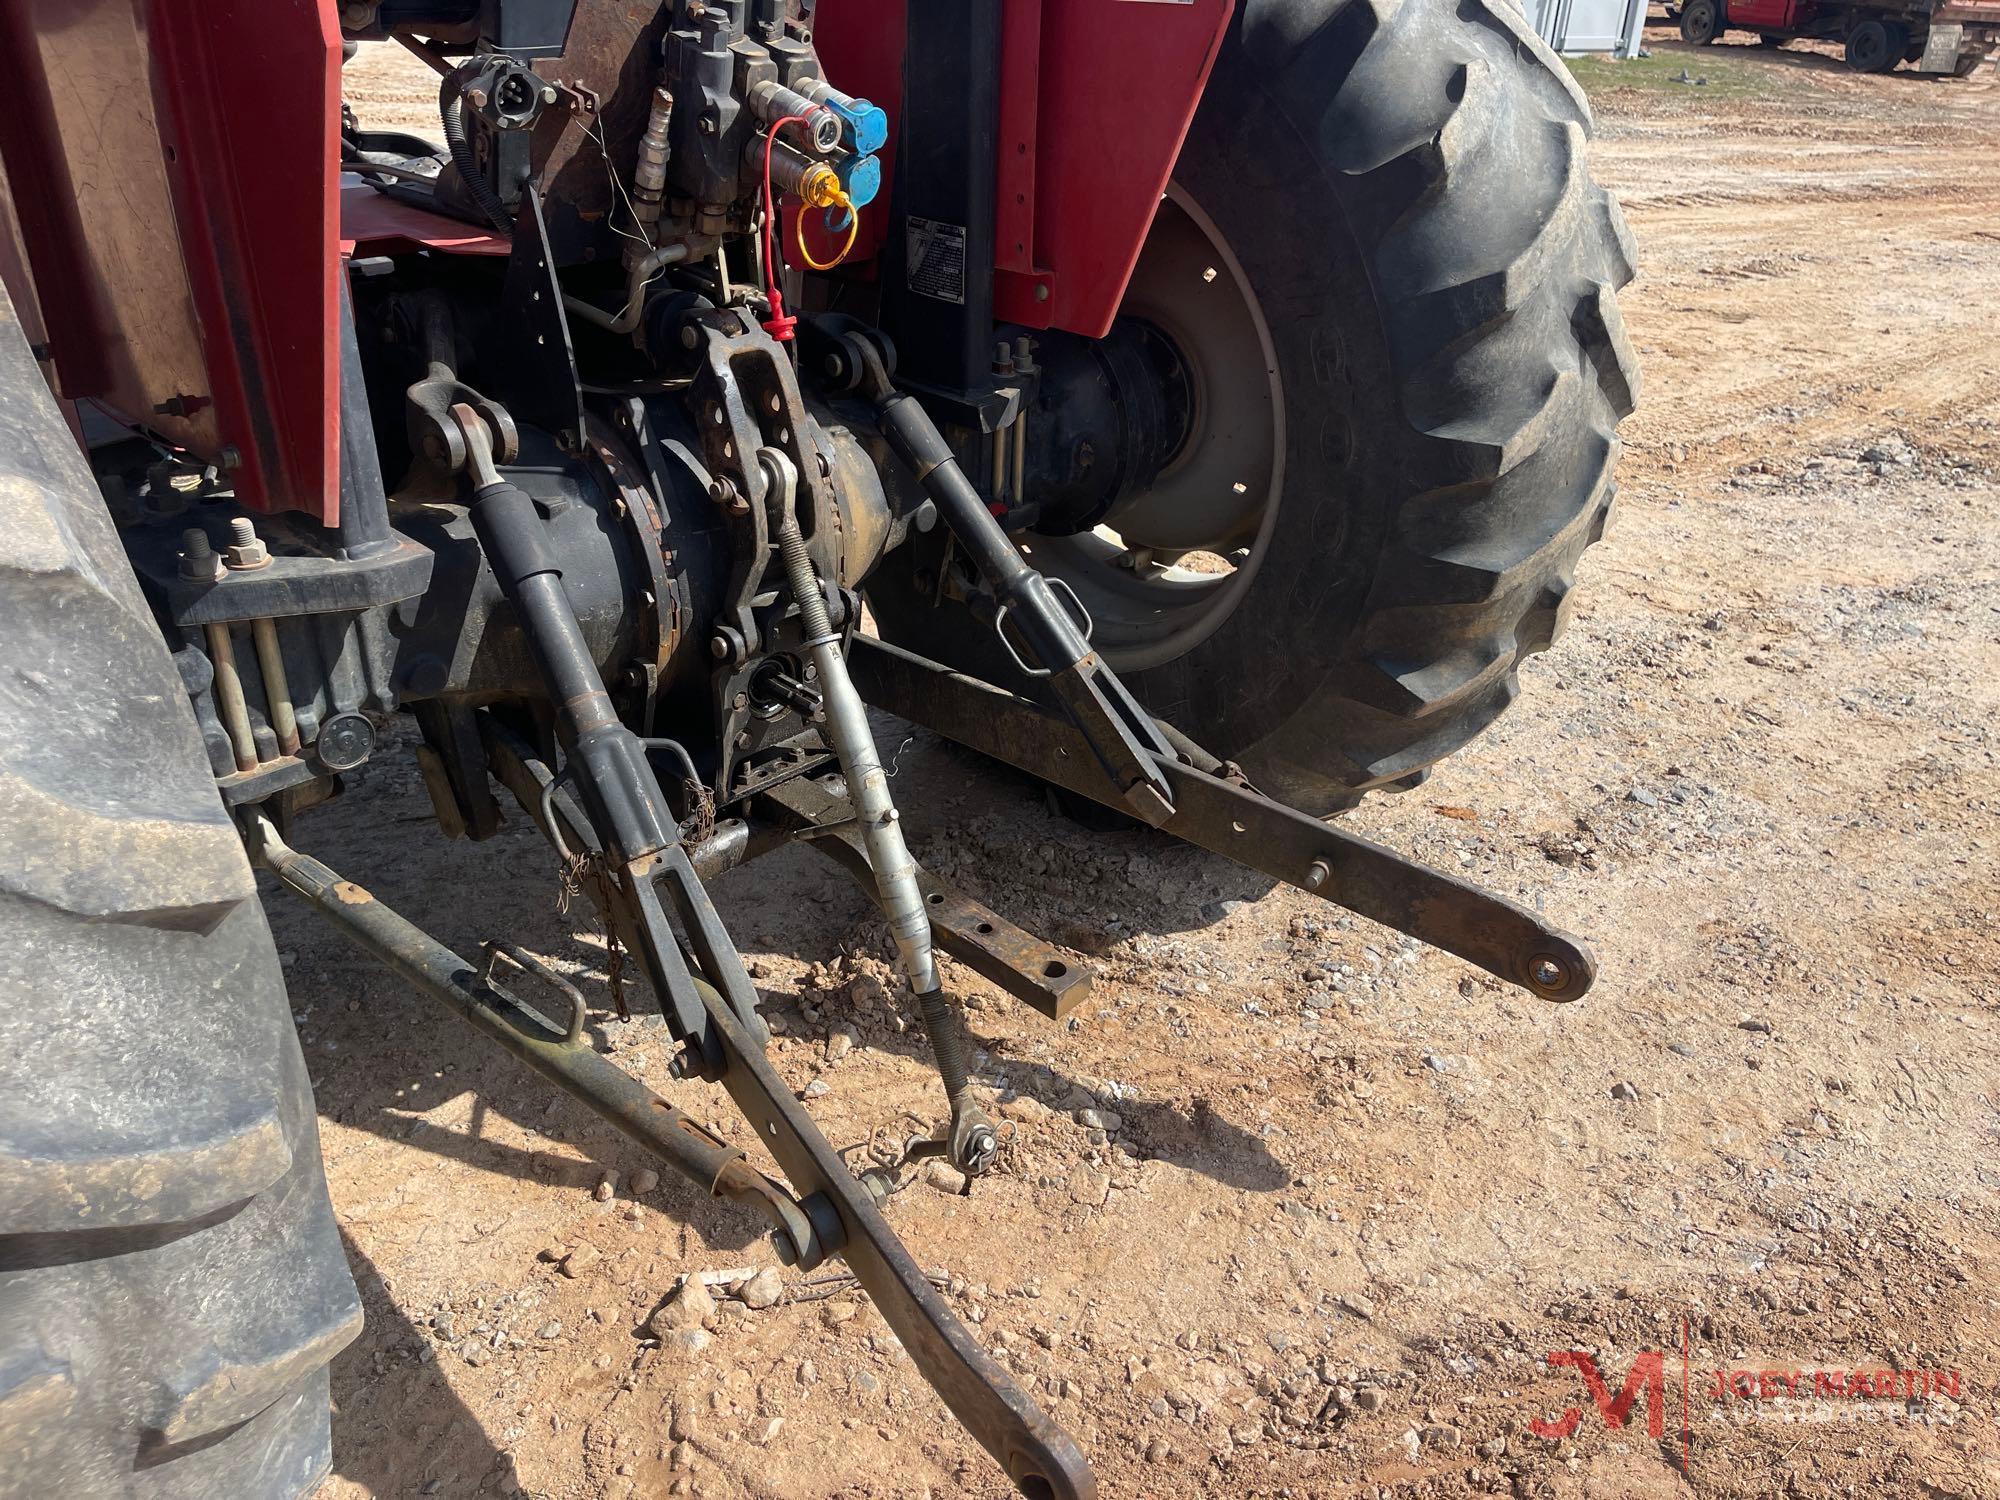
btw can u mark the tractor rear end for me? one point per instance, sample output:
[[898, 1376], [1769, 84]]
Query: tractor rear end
[[1210, 406]]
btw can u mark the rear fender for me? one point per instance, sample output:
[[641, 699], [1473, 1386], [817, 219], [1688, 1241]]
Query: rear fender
[[1095, 99]]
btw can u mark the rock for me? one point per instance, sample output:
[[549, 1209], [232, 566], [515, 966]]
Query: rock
[[1157, 1451], [843, 1040], [1754, 1023], [474, 1351], [771, 1430], [644, 1181], [1026, 1109], [808, 1372], [692, 1307], [836, 1313], [681, 1455], [1643, 797], [1359, 1305], [1100, 1119], [606, 1186], [1412, 1444], [580, 1259], [943, 1176], [1681, 1049], [866, 1383], [549, 1330], [687, 1340], [765, 1289], [1370, 1398], [1088, 1185], [1443, 1436], [684, 1426], [817, 1089], [1624, 1092], [444, 1327]]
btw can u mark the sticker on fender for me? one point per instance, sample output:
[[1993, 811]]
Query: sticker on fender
[[936, 258]]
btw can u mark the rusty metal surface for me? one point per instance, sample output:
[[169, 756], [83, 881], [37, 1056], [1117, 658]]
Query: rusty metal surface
[[1498, 935], [1030, 969]]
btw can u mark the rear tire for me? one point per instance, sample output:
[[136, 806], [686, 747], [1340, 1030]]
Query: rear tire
[[1403, 189], [1871, 48], [171, 1280], [1701, 22]]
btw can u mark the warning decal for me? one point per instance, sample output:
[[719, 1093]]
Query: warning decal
[[936, 252]]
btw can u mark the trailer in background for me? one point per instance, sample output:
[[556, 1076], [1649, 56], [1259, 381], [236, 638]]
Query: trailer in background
[[1570, 26], [1953, 38]]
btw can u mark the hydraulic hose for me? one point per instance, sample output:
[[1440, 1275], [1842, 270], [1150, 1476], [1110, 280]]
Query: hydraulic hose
[[451, 110]]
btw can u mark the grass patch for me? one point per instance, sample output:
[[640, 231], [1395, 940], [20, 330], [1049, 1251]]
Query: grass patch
[[1728, 77]]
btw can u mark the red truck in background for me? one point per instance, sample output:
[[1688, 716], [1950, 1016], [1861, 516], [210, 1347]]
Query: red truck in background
[[1954, 37]]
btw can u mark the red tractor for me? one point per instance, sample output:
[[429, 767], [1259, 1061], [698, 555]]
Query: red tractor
[[1209, 401]]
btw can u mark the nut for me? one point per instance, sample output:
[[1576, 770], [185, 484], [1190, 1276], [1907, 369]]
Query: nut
[[245, 552]]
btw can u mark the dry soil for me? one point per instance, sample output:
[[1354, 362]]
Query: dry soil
[[1344, 1196]]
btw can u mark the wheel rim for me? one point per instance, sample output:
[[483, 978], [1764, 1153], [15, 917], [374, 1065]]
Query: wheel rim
[[1871, 45], [1170, 565]]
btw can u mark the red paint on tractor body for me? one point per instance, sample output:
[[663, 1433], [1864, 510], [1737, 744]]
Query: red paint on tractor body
[[1096, 97], [171, 165]]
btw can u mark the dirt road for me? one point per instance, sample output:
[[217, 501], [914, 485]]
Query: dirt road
[[1343, 1197]]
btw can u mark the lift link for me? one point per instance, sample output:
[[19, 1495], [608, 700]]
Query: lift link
[[971, 1143], [1121, 735], [640, 838], [1228, 817], [718, 1021]]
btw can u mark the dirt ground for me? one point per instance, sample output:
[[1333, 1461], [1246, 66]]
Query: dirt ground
[[1345, 1196]]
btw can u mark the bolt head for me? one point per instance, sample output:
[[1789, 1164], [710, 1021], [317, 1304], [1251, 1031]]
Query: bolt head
[[690, 336], [718, 647]]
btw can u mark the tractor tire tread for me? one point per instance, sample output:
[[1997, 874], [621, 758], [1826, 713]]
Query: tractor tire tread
[[172, 1283]]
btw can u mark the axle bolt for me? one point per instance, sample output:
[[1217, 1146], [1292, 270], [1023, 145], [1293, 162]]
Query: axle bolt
[[245, 552], [1316, 875], [199, 564]]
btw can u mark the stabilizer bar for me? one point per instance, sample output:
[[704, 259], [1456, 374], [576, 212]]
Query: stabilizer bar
[[1500, 936], [558, 1054]]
